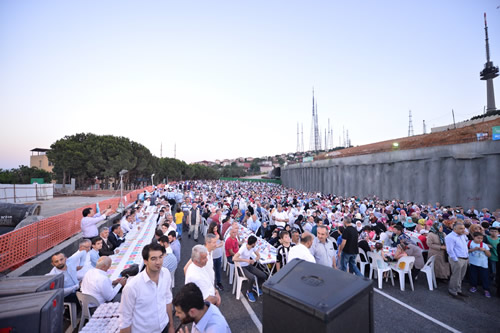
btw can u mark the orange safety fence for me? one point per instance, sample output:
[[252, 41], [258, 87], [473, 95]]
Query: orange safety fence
[[22, 244]]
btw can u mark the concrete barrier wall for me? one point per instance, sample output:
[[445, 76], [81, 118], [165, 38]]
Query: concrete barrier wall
[[19, 193], [465, 174]]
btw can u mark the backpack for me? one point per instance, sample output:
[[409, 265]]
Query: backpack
[[468, 244]]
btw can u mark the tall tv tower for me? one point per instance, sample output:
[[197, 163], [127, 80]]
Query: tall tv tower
[[489, 73], [315, 141]]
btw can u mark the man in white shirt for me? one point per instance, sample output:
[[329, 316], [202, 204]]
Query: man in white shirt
[[301, 251], [96, 282], [244, 257], [280, 217], [83, 257], [146, 304], [89, 222], [197, 274]]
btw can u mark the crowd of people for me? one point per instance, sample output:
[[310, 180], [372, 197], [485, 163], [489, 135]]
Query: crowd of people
[[321, 228]]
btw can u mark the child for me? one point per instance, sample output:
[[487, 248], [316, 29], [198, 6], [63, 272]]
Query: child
[[179, 215], [493, 241], [478, 259], [381, 263]]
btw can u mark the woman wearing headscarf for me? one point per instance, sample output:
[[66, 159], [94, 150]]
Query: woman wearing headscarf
[[437, 247]]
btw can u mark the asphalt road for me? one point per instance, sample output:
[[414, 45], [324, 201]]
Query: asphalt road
[[473, 314]]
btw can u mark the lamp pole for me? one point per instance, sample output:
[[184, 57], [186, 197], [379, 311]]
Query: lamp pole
[[121, 206]]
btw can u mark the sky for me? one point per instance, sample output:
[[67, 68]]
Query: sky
[[227, 79]]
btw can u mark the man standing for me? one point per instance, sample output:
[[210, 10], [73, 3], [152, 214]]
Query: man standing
[[191, 308], [96, 282], [146, 304], [322, 249], [201, 277], [194, 221], [301, 251], [175, 245], [458, 253], [169, 261], [348, 249], [186, 209], [89, 222]]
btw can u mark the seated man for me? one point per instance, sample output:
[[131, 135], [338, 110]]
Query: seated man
[[201, 277], [68, 267], [190, 307], [107, 247], [244, 257], [94, 252], [232, 246], [116, 236], [96, 282], [169, 259], [82, 255]]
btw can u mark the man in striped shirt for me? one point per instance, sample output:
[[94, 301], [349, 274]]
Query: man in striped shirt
[[283, 249]]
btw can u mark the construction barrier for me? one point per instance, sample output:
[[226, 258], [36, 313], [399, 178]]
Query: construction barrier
[[22, 244]]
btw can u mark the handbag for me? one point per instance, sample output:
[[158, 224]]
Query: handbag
[[132, 270]]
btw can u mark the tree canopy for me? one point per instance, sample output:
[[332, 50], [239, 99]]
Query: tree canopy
[[23, 175], [87, 156]]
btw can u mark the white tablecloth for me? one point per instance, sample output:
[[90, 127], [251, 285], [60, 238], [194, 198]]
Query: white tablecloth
[[131, 250]]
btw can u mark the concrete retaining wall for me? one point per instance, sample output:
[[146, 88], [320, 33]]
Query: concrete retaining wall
[[465, 174]]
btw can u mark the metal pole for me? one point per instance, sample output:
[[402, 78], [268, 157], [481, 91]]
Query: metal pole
[[453, 113]]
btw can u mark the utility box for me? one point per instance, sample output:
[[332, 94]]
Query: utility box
[[307, 297], [37, 312], [10, 286]]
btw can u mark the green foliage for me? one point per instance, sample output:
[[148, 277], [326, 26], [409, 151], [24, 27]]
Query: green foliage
[[233, 171], [23, 175], [87, 156]]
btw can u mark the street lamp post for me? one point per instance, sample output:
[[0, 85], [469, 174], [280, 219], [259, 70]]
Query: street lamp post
[[152, 176], [121, 206]]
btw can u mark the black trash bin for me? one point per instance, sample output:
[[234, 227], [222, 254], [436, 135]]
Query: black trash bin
[[37, 312], [307, 297], [30, 284]]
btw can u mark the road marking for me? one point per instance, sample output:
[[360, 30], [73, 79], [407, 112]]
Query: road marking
[[252, 314], [435, 321]]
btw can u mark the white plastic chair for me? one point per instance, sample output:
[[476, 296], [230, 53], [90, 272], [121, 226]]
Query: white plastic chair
[[428, 269], [224, 259], [72, 313], [239, 277], [362, 263], [85, 300], [374, 258], [172, 275], [403, 267], [230, 272]]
